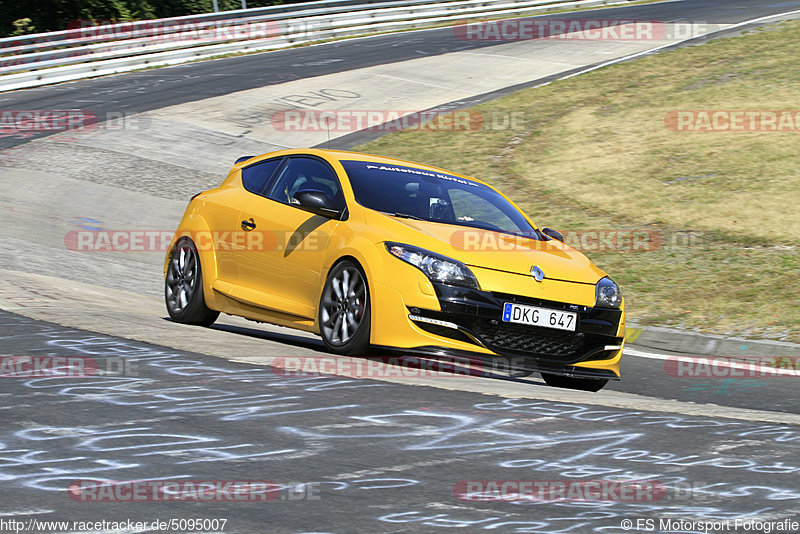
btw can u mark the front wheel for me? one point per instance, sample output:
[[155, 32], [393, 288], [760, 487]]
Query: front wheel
[[344, 310], [568, 382], [183, 287]]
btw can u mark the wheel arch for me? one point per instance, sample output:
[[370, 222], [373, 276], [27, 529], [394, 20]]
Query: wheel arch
[[361, 253], [195, 227], [339, 259], [359, 341]]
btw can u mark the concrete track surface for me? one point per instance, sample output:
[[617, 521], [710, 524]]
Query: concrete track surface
[[348, 454]]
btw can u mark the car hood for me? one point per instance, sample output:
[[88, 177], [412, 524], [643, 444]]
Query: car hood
[[495, 250]]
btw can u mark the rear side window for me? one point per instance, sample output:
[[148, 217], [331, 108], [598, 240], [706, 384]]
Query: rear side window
[[256, 176]]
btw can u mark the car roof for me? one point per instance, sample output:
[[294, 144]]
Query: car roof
[[345, 155]]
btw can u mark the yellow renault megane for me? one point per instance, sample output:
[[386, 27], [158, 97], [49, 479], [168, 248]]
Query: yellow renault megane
[[372, 251]]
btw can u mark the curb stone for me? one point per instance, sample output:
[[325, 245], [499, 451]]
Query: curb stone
[[674, 341]]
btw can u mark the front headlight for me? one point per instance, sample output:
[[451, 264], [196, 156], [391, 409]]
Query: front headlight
[[608, 294], [436, 267]]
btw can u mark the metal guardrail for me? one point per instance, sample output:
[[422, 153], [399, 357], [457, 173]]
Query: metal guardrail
[[41, 59], [192, 31], [108, 32]]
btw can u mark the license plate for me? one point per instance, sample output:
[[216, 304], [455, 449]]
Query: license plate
[[535, 316]]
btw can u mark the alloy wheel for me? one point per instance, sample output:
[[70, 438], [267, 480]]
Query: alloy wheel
[[181, 278], [344, 302]]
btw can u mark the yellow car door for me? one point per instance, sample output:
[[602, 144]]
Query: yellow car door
[[281, 266]]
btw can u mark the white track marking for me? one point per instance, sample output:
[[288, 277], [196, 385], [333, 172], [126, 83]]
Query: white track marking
[[731, 362], [529, 59], [423, 83]]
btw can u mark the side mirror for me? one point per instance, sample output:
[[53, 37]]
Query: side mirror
[[549, 232], [316, 202]]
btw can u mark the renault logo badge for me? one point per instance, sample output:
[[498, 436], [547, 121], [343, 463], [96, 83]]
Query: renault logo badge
[[537, 273]]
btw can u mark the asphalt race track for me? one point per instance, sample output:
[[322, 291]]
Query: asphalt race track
[[348, 455], [149, 90], [171, 402]]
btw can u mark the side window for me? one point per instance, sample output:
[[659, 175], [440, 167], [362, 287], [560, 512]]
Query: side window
[[303, 174], [256, 176]]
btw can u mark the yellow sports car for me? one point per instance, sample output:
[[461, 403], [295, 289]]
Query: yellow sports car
[[372, 251]]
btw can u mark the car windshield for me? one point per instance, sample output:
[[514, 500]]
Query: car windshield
[[434, 196]]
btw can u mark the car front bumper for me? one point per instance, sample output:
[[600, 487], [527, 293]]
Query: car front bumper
[[469, 323]]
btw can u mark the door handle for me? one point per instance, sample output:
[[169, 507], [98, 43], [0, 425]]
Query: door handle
[[248, 224]]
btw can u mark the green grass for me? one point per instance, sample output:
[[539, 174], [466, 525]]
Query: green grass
[[593, 152]]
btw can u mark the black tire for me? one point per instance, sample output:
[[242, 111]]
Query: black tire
[[345, 316], [568, 382], [183, 286]]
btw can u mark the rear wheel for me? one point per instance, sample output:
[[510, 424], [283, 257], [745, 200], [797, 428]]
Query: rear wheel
[[568, 382], [183, 287], [344, 310]]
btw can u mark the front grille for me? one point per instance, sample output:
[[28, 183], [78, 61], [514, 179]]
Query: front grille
[[532, 340]]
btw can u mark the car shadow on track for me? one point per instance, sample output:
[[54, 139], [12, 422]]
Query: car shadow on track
[[379, 354], [279, 337]]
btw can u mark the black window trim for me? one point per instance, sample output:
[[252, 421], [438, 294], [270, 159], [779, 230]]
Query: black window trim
[[271, 176], [280, 168]]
